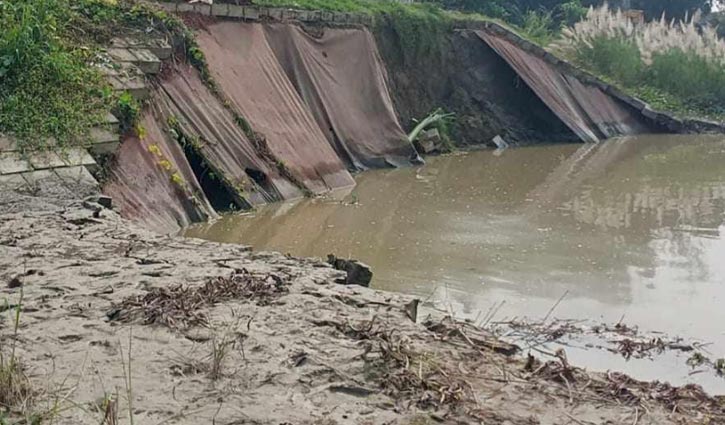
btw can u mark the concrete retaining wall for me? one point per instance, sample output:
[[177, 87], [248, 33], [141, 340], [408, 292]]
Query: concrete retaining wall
[[254, 13]]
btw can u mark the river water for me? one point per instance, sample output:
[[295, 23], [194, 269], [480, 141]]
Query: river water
[[628, 230]]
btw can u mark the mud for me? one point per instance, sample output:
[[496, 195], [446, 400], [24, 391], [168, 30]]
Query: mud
[[288, 345]]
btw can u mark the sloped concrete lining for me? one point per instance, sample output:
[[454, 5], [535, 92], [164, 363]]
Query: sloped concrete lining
[[247, 71], [12, 163], [341, 78], [153, 184]]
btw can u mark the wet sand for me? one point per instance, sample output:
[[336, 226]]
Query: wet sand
[[314, 352]]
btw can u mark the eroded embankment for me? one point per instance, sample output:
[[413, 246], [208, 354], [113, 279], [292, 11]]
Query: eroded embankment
[[280, 114], [500, 84], [279, 110], [214, 333]]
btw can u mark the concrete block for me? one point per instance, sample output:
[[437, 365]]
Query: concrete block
[[251, 13], [236, 11], [106, 148], [34, 178], [275, 14], [650, 113], [203, 9], [290, 14], [184, 7], [111, 123], [121, 54], [13, 182], [76, 176], [327, 16], [160, 48], [146, 61], [220, 9], [101, 135], [12, 162], [103, 142], [167, 6], [313, 15], [77, 156], [45, 160]]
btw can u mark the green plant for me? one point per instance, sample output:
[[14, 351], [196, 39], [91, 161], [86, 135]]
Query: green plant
[[674, 65], [127, 110], [616, 57], [15, 388], [52, 92], [539, 26]]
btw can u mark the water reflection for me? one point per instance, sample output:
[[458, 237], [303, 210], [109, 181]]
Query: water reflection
[[629, 227]]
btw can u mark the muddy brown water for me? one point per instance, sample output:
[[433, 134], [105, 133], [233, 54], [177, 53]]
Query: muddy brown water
[[631, 229]]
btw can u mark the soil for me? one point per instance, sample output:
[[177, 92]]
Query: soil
[[215, 333], [465, 76]]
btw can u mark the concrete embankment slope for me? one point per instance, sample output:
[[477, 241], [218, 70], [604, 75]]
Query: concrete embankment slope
[[290, 109], [339, 74], [312, 108]]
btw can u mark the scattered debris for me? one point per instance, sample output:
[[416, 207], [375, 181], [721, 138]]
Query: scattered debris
[[474, 336], [180, 306], [500, 142], [429, 141]]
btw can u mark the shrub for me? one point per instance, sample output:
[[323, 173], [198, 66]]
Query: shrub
[[616, 57], [51, 88], [539, 26], [47, 90], [676, 59]]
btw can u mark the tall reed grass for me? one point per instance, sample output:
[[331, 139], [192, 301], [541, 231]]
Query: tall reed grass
[[679, 60]]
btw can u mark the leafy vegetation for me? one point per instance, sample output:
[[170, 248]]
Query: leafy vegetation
[[52, 92], [677, 65]]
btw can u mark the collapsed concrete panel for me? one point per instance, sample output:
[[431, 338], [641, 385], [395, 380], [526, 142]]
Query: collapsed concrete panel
[[340, 76], [151, 181], [587, 110], [247, 71], [199, 114]]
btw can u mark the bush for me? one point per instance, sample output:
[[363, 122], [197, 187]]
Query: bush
[[698, 81], [50, 88], [539, 26], [679, 62], [48, 91], [616, 57]]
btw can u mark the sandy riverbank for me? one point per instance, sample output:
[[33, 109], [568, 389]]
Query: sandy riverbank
[[264, 338]]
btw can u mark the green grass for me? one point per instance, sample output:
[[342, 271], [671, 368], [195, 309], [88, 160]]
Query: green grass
[[51, 93]]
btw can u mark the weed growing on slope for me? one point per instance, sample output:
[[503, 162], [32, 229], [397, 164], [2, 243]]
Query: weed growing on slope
[[52, 92]]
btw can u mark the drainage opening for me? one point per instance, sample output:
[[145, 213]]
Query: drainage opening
[[220, 196]]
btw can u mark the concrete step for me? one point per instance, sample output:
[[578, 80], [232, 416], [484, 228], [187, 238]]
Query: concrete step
[[159, 47], [13, 163], [146, 61], [104, 142], [111, 123]]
